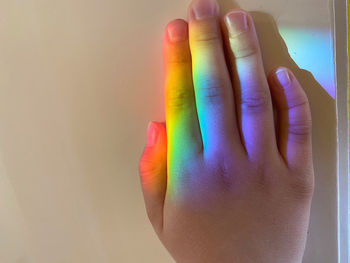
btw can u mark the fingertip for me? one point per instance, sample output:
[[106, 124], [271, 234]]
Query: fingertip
[[155, 138], [176, 31], [272, 73], [176, 43], [281, 83], [202, 9], [281, 77], [233, 13], [152, 134]]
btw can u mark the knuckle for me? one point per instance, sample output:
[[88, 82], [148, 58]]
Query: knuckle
[[211, 91], [207, 39], [302, 188], [300, 123], [178, 55], [256, 102], [205, 33], [177, 59], [178, 98], [299, 103], [299, 131], [244, 49], [146, 165]]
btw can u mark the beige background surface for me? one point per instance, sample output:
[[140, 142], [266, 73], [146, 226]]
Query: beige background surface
[[78, 82]]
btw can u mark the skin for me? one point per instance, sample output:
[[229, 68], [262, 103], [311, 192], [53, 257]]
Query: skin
[[222, 180]]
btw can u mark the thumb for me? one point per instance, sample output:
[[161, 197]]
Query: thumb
[[153, 172]]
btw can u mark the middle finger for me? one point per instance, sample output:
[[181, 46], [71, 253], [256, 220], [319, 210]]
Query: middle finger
[[211, 79]]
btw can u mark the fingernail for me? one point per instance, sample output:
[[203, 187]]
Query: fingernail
[[177, 31], [283, 77], [236, 22], [152, 134], [204, 8]]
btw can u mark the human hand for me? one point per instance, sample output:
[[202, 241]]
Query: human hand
[[220, 185]]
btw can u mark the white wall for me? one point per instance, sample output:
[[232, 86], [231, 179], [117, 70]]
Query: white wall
[[79, 81]]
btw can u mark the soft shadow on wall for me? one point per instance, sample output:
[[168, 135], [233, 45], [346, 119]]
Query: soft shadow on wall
[[323, 210]]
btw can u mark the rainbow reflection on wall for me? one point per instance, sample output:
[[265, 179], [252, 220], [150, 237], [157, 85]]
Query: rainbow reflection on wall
[[312, 50]]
